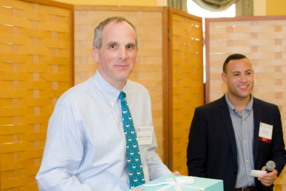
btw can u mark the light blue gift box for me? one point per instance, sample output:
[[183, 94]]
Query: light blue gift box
[[207, 183]]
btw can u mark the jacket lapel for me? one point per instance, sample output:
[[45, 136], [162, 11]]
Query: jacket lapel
[[224, 111], [257, 119]]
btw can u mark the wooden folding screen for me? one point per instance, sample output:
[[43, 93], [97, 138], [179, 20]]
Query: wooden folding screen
[[263, 41], [187, 89], [35, 56]]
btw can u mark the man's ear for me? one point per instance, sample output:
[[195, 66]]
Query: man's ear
[[136, 56], [95, 54], [223, 77]]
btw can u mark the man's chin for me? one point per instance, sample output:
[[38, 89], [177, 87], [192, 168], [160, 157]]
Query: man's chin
[[244, 96], [123, 77]]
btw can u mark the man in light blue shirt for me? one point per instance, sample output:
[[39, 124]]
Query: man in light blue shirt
[[86, 147]]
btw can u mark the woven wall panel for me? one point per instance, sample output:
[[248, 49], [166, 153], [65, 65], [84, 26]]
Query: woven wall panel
[[188, 92], [34, 72], [264, 43], [148, 69]]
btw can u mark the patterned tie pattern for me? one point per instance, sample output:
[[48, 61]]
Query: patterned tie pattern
[[136, 174]]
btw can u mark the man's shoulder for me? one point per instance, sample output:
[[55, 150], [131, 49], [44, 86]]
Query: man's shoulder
[[214, 105], [264, 104], [137, 88], [75, 92]]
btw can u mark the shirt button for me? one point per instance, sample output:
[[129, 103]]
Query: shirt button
[[246, 160], [244, 140], [250, 179], [242, 121]]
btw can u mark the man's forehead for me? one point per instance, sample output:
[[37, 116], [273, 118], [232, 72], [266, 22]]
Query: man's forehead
[[113, 25], [241, 70], [241, 63], [118, 31]]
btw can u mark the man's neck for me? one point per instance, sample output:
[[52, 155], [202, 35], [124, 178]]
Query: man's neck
[[115, 83], [118, 86], [239, 103]]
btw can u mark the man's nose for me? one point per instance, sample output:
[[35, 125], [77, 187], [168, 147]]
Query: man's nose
[[243, 78], [122, 53]]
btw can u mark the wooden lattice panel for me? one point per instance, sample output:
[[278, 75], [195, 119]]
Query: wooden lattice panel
[[264, 43], [148, 69], [34, 72], [188, 91]]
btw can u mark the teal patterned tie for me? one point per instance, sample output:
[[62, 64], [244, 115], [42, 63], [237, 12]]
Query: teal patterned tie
[[136, 174]]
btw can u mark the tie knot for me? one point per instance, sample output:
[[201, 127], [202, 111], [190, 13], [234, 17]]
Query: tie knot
[[122, 95]]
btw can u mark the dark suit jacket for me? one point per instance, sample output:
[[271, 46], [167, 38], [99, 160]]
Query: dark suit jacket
[[212, 151]]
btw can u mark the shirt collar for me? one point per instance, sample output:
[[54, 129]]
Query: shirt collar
[[108, 91], [248, 107]]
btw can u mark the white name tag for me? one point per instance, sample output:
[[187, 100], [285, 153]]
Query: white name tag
[[265, 131], [145, 135]]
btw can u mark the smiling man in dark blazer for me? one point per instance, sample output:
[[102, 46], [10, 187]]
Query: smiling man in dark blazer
[[236, 134]]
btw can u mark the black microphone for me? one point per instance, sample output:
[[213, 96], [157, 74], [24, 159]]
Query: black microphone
[[270, 165]]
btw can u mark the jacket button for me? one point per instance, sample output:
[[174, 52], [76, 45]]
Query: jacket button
[[234, 172]]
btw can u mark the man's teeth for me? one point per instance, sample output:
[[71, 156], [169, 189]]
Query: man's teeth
[[242, 86]]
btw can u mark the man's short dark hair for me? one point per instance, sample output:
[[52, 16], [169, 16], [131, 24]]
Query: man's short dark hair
[[233, 57]]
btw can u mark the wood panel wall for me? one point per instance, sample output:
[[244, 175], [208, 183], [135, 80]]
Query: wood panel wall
[[35, 50], [148, 70], [187, 90], [263, 41]]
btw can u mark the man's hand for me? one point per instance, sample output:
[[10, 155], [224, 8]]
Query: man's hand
[[177, 173], [268, 178]]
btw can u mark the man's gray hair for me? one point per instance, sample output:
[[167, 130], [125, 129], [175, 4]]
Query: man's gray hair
[[97, 40]]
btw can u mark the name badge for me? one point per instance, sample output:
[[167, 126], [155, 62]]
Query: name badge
[[265, 132], [145, 135]]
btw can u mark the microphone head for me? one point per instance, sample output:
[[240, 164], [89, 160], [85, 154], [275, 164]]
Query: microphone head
[[270, 165]]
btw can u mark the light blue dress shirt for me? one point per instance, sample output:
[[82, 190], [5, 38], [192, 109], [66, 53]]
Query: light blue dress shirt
[[243, 129], [86, 147]]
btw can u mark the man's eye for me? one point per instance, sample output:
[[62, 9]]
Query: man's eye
[[129, 46], [113, 46]]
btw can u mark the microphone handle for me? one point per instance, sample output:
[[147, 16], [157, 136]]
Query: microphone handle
[[268, 171]]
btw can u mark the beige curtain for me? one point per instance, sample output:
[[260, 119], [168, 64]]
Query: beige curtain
[[243, 7], [178, 4], [215, 5]]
